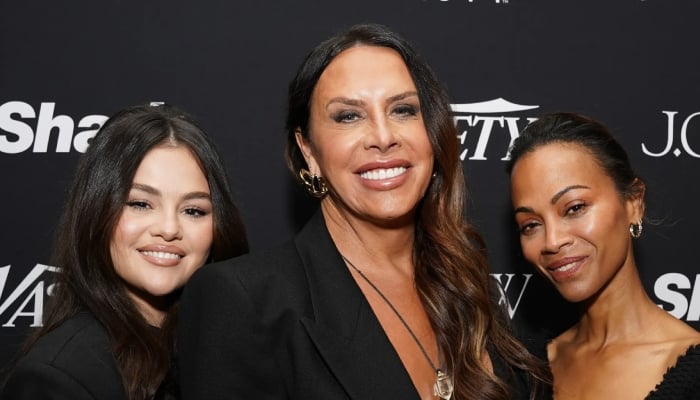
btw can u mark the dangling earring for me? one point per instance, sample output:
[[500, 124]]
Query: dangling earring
[[636, 229], [313, 183]]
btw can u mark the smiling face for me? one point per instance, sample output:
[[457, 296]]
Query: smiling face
[[574, 224], [166, 227], [367, 137]]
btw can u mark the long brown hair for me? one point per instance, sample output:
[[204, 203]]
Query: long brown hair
[[87, 280], [451, 270]]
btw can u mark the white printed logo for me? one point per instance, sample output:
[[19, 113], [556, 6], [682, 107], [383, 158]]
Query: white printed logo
[[23, 129], [471, 120], [512, 288], [668, 288], [671, 135], [29, 294]]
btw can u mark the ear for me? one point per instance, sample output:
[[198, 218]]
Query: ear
[[307, 151], [635, 201]]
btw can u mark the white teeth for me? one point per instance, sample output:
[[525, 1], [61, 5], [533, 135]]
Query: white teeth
[[378, 174], [565, 267], [161, 254]]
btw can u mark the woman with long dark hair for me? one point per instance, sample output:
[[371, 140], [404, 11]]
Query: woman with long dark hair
[[149, 204], [385, 293]]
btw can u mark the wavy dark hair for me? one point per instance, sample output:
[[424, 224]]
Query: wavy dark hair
[[87, 279], [451, 270], [595, 137]]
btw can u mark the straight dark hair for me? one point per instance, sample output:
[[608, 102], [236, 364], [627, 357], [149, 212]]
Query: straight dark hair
[[595, 137], [87, 280], [451, 275]]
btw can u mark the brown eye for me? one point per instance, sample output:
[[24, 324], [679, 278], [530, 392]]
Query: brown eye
[[575, 209], [346, 116], [406, 110], [195, 212], [138, 204]]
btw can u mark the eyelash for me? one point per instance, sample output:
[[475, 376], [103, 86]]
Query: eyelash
[[576, 209], [196, 212], [346, 116], [406, 110], [140, 205], [527, 228]]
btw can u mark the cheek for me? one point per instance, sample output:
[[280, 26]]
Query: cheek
[[530, 248], [202, 238], [128, 228]]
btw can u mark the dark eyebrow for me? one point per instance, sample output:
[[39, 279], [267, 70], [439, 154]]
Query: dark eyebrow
[[554, 200], [146, 188], [402, 96], [523, 209], [562, 192], [358, 103], [155, 192], [197, 195], [345, 100]]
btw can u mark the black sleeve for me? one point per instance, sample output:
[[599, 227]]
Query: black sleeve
[[39, 381], [222, 351]]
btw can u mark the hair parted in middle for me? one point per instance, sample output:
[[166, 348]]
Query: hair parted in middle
[[87, 279], [451, 270]]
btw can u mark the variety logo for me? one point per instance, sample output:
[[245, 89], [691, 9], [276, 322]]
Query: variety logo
[[512, 288], [27, 298], [476, 123], [670, 289], [672, 132], [22, 129]]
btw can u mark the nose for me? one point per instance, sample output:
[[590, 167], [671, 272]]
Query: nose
[[556, 237], [167, 226], [382, 135]]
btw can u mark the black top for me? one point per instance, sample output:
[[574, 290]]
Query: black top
[[682, 381], [72, 362], [290, 323]]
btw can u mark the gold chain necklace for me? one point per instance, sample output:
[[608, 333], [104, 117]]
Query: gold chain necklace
[[443, 387]]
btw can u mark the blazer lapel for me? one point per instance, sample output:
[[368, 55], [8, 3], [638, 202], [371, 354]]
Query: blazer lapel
[[344, 329]]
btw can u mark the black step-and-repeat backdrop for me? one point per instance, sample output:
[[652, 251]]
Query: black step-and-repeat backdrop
[[634, 64]]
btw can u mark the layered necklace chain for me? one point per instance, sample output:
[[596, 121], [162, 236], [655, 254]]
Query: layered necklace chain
[[443, 387]]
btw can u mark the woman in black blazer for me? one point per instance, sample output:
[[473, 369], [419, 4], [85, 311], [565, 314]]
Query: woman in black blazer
[[385, 293], [149, 204]]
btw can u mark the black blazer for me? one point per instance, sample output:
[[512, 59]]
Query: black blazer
[[72, 362], [287, 324]]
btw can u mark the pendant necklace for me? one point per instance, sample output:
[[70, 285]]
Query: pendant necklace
[[443, 383]]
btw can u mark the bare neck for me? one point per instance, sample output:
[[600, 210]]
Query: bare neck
[[621, 313], [371, 243]]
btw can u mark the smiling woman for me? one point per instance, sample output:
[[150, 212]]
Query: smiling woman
[[150, 204], [385, 293], [578, 205]]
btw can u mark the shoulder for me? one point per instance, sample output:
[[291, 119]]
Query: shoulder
[[681, 381], [76, 357], [252, 269], [77, 337]]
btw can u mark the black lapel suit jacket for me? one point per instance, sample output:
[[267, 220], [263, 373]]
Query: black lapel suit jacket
[[287, 324], [72, 362]]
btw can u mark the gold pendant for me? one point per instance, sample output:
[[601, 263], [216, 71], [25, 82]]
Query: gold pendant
[[443, 386]]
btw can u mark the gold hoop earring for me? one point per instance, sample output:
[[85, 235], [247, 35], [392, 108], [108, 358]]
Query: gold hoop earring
[[636, 229], [313, 183]]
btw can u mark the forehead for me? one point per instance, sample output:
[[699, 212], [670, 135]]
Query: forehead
[[551, 167], [363, 66]]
